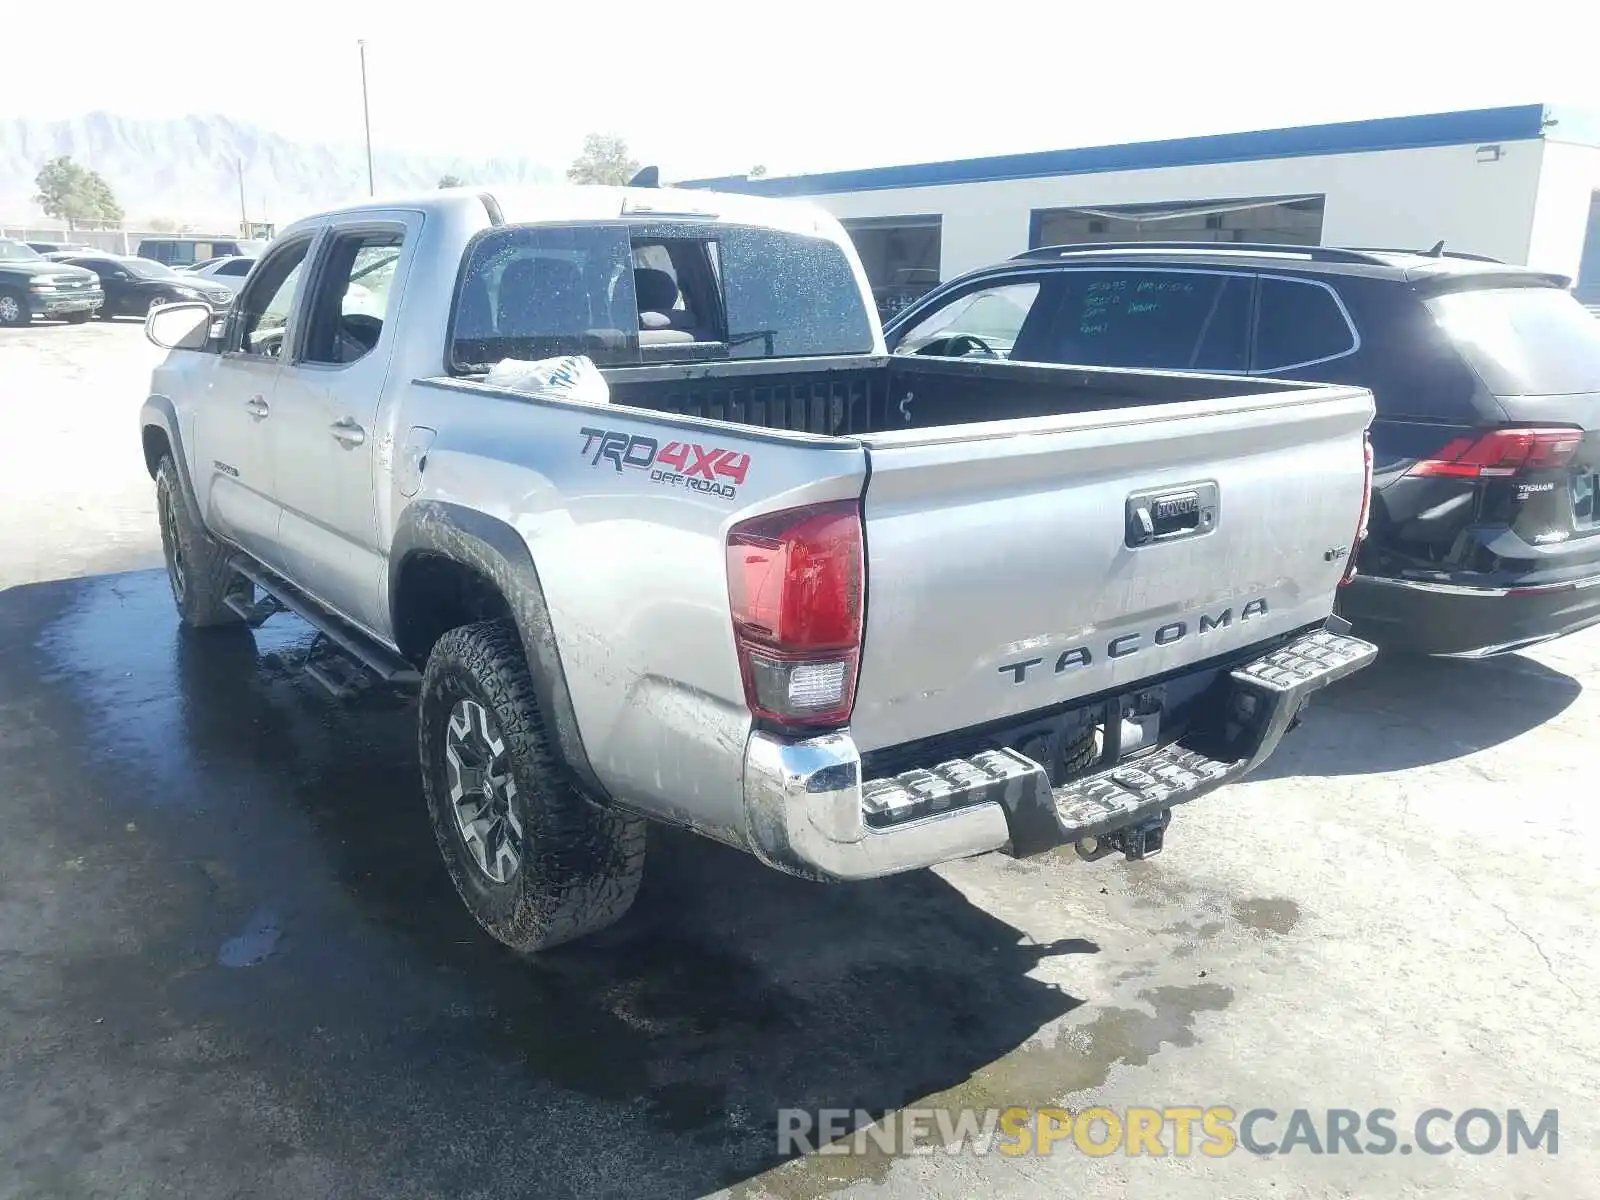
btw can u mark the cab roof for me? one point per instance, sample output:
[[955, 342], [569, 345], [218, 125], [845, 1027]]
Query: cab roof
[[519, 204]]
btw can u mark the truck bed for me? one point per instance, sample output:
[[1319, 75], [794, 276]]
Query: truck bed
[[1036, 535], [851, 396]]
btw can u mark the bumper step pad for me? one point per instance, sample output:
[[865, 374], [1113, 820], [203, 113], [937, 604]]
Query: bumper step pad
[[1266, 696]]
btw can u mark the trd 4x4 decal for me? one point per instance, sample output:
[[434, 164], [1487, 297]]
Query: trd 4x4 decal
[[712, 470]]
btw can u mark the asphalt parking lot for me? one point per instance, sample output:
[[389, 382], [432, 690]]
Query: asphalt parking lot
[[231, 963]]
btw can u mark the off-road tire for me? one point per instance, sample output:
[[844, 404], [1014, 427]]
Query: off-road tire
[[19, 314], [1080, 754], [580, 863], [197, 565]]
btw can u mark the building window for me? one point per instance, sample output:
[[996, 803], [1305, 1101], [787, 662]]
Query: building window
[[900, 256], [1282, 220]]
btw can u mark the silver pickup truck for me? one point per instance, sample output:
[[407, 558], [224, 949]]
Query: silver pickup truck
[[852, 614]]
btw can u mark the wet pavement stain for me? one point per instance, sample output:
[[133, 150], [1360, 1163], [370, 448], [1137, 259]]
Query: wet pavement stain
[[1080, 1060], [1267, 914], [253, 946], [397, 1041]]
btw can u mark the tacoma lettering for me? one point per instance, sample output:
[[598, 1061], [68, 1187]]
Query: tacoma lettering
[[1131, 643]]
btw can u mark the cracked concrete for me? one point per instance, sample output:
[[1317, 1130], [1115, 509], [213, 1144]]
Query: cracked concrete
[[230, 963]]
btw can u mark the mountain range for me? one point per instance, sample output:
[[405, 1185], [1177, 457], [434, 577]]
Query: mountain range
[[187, 170]]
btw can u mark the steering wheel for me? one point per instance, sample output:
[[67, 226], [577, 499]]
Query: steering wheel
[[959, 345]]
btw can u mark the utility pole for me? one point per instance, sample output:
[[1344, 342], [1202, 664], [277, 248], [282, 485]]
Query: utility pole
[[244, 220], [366, 114]]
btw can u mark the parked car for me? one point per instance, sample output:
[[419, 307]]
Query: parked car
[[49, 248], [230, 271], [183, 251], [133, 286], [852, 614], [34, 286], [1485, 531]]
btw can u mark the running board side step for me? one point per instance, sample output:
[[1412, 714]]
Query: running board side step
[[279, 595]]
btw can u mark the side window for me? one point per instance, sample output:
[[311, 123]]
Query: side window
[[352, 297], [1157, 320], [239, 267], [1225, 338], [262, 313], [980, 322], [1299, 324]]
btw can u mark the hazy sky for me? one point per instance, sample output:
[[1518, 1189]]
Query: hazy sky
[[709, 87]]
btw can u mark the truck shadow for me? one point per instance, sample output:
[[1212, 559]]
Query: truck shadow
[[1409, 712], [402, 1043]]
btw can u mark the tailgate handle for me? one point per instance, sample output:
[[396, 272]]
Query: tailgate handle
[[1167, 514]]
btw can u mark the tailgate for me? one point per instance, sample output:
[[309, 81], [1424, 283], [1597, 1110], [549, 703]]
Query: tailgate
[[1009, 568]]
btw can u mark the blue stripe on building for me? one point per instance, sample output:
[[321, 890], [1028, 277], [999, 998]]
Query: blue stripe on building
[[1472, 126]]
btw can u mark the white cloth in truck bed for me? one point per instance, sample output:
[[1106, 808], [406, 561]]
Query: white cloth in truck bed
[[570, 376]]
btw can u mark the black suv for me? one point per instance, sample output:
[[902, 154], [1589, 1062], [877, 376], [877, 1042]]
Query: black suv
[[1484, 534], [33, 286]]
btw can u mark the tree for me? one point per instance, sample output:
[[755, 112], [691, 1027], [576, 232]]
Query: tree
[[605, 159], [75, 194], [756, 172], [450, 181]]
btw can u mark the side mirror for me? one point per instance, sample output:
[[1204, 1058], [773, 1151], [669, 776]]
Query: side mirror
[[182, 326]]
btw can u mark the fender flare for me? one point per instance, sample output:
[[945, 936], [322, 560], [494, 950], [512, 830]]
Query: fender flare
[[160, 413], [497, 552]]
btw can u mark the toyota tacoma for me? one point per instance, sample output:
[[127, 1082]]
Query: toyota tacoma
[[850, 613]]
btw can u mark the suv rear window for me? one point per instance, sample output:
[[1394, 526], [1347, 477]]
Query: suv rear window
[[1523, 341], [532, 291]]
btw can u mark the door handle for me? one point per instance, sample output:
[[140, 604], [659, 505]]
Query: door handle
[[256, 406], [347, 433]]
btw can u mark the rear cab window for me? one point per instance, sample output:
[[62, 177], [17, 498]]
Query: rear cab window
[[1523, 341], [628, 293]]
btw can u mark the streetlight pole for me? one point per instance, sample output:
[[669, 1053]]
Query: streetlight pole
[[244, 220], [366, 115]]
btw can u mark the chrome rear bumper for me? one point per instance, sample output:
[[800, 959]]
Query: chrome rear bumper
[[808, 811]]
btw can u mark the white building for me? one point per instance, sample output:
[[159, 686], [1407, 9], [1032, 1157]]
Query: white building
[[1520, 184]]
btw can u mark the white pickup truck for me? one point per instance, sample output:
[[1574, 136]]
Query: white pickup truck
[[852, 614]]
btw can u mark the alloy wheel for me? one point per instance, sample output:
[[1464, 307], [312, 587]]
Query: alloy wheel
[[482, 791]]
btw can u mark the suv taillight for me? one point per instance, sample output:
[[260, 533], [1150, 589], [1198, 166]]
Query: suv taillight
[[1366, 510], [1501, 453], [795, 585]]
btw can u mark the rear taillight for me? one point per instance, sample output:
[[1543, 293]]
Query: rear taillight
[[795, 582], [1501, 453], [1366, 510]]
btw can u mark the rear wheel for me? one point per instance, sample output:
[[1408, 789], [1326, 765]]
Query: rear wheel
[[14, 309], [536, 862], [197, 565]]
